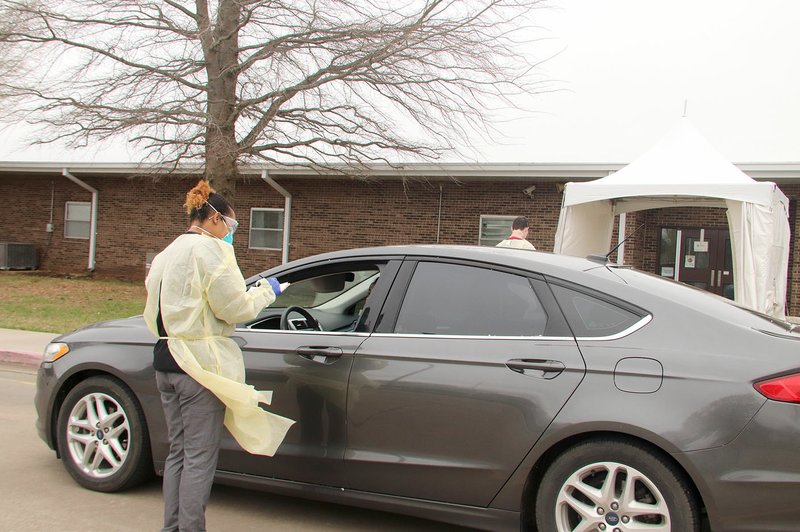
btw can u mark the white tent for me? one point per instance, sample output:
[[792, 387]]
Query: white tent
[[683, 169]]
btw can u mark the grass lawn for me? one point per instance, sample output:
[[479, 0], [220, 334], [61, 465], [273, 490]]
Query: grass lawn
[[34, 302]]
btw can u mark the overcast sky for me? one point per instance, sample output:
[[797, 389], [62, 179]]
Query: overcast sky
[[627, 67]]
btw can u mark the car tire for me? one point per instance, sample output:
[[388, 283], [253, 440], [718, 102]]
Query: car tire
[[614, 485], [102, 436]]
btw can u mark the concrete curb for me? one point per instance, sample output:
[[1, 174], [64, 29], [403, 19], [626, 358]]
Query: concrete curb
[[21, 358], [23, 348]]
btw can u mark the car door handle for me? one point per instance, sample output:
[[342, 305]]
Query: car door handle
[[321, 354], [547, 369]]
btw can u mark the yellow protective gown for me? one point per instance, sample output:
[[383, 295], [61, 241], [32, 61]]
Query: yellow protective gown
[[202, 298], [515, 243]]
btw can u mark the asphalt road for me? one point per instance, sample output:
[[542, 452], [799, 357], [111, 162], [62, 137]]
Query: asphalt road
[[36, 493]]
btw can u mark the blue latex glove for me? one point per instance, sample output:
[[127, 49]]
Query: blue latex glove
[[276, 286]]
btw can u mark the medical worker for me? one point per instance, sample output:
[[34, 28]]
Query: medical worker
[[519, 235], [195, 296]]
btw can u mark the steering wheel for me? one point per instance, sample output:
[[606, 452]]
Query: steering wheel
[[313, 325]]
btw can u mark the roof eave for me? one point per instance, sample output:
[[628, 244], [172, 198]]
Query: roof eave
[[786, 172]]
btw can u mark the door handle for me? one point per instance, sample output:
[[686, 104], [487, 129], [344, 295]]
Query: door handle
[[547, 369], [719, 277], [321, 354], [712, 278]]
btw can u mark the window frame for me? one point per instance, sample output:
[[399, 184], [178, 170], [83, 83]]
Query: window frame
[[67, 220], [504, 217], [254, 230]]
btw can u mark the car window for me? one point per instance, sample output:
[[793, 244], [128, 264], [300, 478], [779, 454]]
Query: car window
[[591, 316], [318, 290], [333, 295], [453, 299]]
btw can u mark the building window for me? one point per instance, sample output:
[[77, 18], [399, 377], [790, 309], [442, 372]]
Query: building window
[[266, 228], [494, 229], [77, 219]]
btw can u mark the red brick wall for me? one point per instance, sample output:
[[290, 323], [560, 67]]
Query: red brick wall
[[138, 216], [27, 211], [331, 214], [135, 216]]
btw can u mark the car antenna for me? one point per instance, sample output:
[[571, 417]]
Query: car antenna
[[603, 259]]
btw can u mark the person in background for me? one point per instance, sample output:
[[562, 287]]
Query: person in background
[[519, 235], [195, 296]]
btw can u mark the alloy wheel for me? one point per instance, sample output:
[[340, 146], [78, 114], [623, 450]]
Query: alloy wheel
[[98, 435], [613, 497]]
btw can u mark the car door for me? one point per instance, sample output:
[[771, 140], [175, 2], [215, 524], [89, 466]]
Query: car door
[[467, 368], [307, 372]]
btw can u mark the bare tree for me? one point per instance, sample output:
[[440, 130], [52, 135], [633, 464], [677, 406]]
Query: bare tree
[[232, 81]]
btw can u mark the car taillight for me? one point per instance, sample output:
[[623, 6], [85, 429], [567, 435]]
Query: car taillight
[[786, 389]]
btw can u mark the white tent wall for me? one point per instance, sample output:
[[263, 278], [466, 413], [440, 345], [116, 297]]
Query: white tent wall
[[759, 242], [682, 169], [596, 221]]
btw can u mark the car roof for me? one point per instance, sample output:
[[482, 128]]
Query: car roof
[[521, 258], [546, 263]]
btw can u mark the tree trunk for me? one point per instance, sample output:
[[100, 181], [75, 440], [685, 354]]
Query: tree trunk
[[221, 51], [221, 162]]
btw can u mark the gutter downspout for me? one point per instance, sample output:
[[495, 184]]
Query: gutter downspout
[[439, 215], [287, 212], [93, 222]]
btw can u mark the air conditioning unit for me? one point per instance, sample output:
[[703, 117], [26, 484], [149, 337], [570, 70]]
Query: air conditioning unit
[[14, 256]]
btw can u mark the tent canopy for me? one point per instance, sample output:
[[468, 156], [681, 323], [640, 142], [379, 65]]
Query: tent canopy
[[683, 169]]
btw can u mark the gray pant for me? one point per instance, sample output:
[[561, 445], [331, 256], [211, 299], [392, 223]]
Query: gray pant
[[194, 418]]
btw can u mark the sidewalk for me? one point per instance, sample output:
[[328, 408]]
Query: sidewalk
[[23, 347]]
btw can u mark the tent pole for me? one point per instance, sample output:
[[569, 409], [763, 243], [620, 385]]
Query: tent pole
[[621, 236]]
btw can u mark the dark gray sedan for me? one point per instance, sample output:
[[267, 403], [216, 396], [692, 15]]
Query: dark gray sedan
[[494, 388]]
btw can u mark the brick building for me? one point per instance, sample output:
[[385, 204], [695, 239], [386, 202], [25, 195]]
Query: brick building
[[49, 205]]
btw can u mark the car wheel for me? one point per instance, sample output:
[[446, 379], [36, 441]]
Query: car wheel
[[102, 436], [614, 485]]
